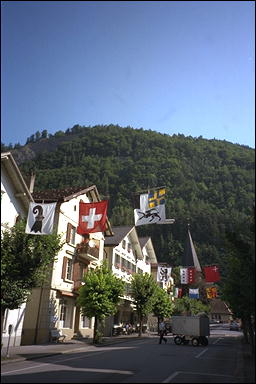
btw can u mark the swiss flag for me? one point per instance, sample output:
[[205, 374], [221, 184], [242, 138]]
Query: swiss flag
[[211, 274], [92, 217]]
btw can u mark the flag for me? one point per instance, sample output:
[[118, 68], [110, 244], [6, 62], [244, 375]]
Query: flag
[[183, 276], [156, 198], [194, 293], [150, 216], [191, 275], [164, 274], [211, 292], [40, 219], [92, 217], [187, 275], [178, 292], [211, 274]]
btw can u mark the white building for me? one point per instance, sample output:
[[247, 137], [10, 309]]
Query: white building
[[15, 199], [54, 304], [127, 254]]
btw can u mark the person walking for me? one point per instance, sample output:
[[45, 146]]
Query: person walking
[[162, 332]]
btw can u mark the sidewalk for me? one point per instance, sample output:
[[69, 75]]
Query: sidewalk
[[25, 352]]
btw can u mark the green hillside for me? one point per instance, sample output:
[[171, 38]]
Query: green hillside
[[209, 182]]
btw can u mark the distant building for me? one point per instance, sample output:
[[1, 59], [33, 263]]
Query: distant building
[[127, 254]]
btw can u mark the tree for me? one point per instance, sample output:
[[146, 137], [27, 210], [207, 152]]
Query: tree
[[25, 262], [163, 306], [189, 307], [238, 286], [143, 289], [100, 295]]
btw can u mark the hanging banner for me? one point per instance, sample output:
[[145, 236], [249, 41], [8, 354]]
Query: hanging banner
[[92, 217], [40, 219], [211, 273], [164, 274], [194, 293]]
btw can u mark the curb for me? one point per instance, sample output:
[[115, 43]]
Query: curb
[[38, 356]]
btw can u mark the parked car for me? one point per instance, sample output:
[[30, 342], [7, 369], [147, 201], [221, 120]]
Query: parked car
[[234, 326]]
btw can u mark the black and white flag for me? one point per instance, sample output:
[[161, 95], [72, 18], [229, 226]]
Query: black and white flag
[[40, 219], [164, 274]]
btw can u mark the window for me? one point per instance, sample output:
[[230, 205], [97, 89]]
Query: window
[[85, 321], [71, 234], [123, 244], [63, 310], [117, 260], [66, 313], [69, 269], [129, 247]]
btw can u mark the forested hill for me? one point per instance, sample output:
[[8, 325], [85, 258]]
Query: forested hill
[[211, 182]]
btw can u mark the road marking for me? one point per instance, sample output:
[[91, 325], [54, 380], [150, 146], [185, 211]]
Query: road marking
[[216, 341], [168, 380], [200, 354]]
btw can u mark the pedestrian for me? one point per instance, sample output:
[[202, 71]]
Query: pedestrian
[[162, 330]]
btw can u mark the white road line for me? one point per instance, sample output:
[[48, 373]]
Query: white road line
[[168, 380], [201, 353], [216, 341]]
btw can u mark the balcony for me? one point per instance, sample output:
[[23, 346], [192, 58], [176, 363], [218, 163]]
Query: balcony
[[85, 252]]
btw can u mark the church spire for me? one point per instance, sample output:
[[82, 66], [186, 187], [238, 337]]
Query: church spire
[[190, 258]]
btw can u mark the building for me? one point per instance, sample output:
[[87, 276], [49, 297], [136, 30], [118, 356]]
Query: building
[[54, 304], [15, 199], [127, 254]]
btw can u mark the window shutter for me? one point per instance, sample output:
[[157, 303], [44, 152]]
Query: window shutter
[[68, 234], [64, 268]]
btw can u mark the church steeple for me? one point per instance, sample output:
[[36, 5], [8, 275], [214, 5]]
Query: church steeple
[[190, 258]]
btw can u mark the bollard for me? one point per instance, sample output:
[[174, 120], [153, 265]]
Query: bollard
[[10, 328]]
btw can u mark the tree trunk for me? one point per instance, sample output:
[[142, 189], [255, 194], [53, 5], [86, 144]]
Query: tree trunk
[[95, 329], [2, 323]]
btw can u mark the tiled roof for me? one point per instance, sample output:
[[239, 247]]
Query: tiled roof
[[219, 306], [61, 194], [119, 234]]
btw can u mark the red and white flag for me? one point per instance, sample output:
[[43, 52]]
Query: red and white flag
[[211, 274], [187, 275], [92, 217]]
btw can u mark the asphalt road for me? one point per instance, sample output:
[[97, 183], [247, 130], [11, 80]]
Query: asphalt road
[[137, 361]]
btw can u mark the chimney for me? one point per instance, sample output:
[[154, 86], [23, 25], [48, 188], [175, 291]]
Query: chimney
[[32, 182]]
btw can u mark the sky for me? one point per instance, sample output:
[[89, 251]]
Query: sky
[[175, 67]]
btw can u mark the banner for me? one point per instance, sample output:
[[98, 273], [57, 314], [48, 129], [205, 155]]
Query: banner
[[211, 292], [164, 274], [187, 275], [194, 293], [211, 274], [92, 217], [151, 216], [40, 219], [178, 293]]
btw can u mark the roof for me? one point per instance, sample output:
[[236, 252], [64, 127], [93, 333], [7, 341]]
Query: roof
[[119, 235], [143, 241], [219, 306], [189, 258], [14, 175], [65, 194]]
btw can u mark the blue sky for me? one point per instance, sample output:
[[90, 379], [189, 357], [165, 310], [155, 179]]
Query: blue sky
[[172, 67]]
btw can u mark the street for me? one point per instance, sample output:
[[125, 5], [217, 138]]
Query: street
[[138, 361]]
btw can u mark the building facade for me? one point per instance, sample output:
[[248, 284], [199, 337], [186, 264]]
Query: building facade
[[15, 199], [54, 304], [127, 254]]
